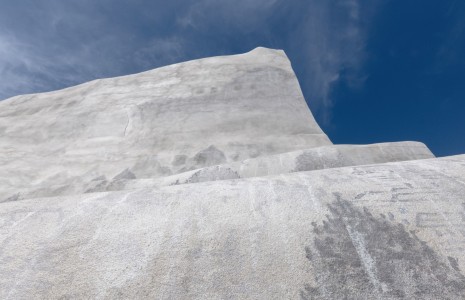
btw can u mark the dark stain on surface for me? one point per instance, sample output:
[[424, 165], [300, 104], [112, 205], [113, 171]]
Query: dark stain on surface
[[96, 186], [357, 255], [126, 174], [179, 160], [308, 161], [313, 161], [100, 178], [209, 156], [14, 197]]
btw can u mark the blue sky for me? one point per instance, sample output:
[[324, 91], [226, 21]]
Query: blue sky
[[371, 70]]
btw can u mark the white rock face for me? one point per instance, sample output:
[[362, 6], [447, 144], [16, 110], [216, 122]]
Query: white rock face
[[297, 161], [210, 179], [171, 120], [162, 122], [389, 230]]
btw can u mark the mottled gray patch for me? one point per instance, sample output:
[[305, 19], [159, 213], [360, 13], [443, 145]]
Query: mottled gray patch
[[164, 171], [454, 263], [253, 150], [126, 174], [213, 174], [14, 197], [177, 182], [150, 166], [116, 185], [357, 255], [99, 178], [235, 157], [209, 156], [97, 186], [308, 161], [391, 216], [70, 104], [58, 190], [179, 160]]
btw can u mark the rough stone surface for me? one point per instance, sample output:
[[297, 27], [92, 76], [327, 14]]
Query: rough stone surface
[[385, 231], [303, 160], [210, 179], [157, 123]]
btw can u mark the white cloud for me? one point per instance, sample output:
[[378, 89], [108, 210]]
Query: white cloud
[[333, 41], [80, 42], [327, 36]]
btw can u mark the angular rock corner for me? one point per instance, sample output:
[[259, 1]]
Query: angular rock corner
[[210, 179]]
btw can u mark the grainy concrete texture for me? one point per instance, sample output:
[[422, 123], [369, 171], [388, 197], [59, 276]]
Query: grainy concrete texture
[[210, 179]]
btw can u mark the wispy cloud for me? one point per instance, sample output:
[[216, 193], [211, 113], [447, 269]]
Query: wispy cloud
[[59, 43], [323, 38], [329, 40]]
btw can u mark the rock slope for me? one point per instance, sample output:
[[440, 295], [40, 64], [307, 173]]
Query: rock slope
[[388, 231], [210, 179], [161, 122]]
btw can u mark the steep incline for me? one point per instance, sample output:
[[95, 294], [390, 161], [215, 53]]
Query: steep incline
[[161, 122], [183, 117]]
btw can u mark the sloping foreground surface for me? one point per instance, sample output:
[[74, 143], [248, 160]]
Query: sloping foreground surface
[[383, 231]]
